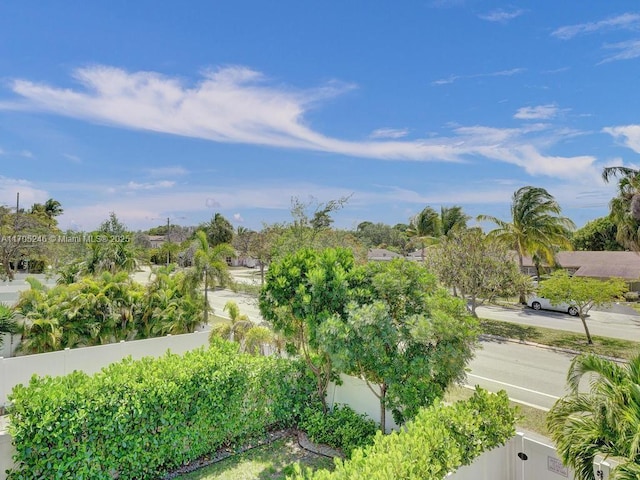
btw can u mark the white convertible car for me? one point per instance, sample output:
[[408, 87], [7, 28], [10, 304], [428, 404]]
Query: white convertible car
[[539, 303]]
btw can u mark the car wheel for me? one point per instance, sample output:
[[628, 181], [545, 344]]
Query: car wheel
[[536, 305], [573, 311]]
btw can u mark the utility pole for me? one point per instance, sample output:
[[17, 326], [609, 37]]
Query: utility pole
[[166, 239]]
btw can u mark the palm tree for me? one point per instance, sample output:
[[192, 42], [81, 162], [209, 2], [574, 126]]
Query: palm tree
[[625, 208], [53, 208], [210, 266], [8, 323], [536, 227], [430, 226], [604, 421]]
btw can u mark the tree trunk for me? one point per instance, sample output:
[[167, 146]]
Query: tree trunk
[[522, 299], [206, 300], [383, 409], [586, 329]]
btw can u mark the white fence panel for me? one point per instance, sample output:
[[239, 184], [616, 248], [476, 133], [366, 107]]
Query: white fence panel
[[17, 370]]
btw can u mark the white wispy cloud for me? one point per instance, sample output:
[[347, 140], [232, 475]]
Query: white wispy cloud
[[150, 185], [501, 16], [629, 134], [238, 218], [500, 73], [389, 133], [628, 21], [625, 50], [540, 112], [239, 105]]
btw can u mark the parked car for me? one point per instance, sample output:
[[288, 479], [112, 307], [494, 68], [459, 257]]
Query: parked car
[[540, 303]]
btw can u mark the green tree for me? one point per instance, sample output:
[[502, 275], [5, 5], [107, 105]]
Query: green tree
[[597, 235], [210, 266], [625, 207], [219, 230], [604, 421], [479, 267], [408, 339], [8, 322], [382, 236], [428, 227], [53, 208], [582, 292], [302, 290], [311, 228], [24, 240], [536, 226]]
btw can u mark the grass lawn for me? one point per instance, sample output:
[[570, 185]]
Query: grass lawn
[[613, 347], [268, 462]]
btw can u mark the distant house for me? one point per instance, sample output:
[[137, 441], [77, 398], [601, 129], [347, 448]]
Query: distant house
[[156, 240], [602, 265], [381, 254]]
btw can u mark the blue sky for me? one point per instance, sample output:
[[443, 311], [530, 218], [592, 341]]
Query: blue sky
[[156, 109]]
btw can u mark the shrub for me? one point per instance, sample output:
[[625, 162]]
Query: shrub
[[138, 419], [438, 441], [341, 428], [632, 296]]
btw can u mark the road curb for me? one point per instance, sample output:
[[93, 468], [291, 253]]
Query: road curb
[[487, 336]]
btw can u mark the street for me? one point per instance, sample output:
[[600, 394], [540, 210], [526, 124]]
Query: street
[[531, 375], [606, 324]]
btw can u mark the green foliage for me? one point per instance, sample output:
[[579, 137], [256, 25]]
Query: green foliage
[[438, 441], [582, 292], [536, 227], [219, 230], [105, 309], [374, 235], [405, 337], [140, 419], [8, 323], [301, 291], [340, 428], [597, 235], [481, 268], [604, 421], [625, 206]]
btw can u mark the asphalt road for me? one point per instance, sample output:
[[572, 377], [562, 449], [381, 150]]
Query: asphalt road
[[606, 324], [530, 375]]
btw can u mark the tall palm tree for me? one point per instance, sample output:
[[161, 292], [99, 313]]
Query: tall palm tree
[[210, 265], [625, 207], [604, 421], [536, 226]]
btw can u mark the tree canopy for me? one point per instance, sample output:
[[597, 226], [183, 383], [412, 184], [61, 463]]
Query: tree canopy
[[536, 227], [582, 292]]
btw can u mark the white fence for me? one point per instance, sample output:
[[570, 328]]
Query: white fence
[[522, 458], [16, 370]]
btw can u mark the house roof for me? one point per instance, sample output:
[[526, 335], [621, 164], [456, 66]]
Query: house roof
[[382, 254], [624, 265]]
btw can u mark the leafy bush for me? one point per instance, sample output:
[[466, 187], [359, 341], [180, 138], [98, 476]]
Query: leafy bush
[[632, 296], [137, 419], [340, 428], [439, 440]]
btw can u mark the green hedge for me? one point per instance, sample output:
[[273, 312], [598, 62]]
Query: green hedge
[[341, 428], [138, 419], [438, 441]]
